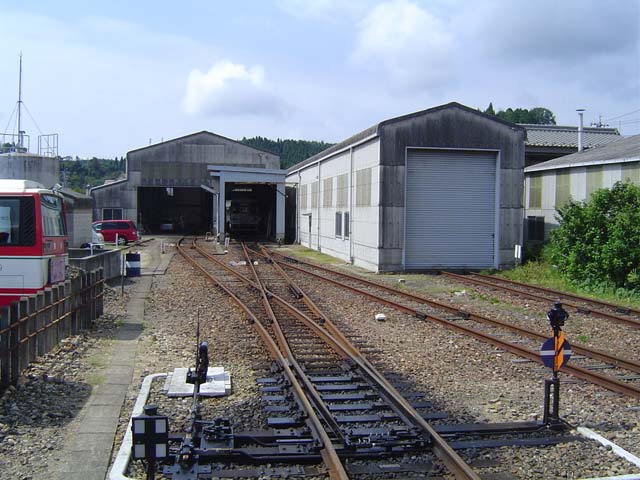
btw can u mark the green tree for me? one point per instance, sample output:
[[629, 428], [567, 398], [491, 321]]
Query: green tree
[[598, 241], [490, 110], [536, 116]]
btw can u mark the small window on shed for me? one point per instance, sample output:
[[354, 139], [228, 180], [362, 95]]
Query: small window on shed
[[363, 187], [111, 214], [563, 188], [338, 224], [327, 192], [594, 179], [535, 229], [535, 190], [303, 197], [342, 191], [314, 195], [346, 224], [631, 172]]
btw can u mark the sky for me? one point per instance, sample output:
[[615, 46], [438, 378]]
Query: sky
[[114, 76]]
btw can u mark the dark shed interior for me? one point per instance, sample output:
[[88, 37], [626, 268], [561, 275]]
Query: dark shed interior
[[184, 210]]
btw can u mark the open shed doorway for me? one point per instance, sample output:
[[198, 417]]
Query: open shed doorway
[[250, 211], [179, 210]]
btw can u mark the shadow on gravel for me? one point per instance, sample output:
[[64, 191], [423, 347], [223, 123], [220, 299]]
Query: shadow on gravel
[[39, 402]]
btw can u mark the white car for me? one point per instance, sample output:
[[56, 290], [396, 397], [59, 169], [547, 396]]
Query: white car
[[97, 240]]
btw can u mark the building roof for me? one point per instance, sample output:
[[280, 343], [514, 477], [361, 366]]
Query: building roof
[[564, 136], [622, 150], [200, 133], [374, 131]]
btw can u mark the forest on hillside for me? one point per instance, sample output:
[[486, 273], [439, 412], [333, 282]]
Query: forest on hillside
[[290, 151], [79, 174]]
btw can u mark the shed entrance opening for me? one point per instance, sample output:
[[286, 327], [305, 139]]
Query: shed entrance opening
[[250, 211], [180, 210]]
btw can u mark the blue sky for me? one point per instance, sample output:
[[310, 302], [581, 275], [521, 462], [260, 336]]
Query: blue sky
[[111, 76]]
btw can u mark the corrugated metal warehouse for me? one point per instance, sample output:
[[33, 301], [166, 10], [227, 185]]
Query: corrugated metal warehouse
[[198, 183], [551, 184], [440, 188]]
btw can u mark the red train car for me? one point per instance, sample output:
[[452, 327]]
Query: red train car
[[34, 246]]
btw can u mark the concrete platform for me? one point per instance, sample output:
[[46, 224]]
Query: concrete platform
[[87, 451]]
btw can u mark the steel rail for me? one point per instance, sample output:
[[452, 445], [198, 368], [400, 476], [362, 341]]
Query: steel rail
[[595, 354], [288, 353], [620, 308], [578, 372], [441, 448], [597, 313], [329, 455]]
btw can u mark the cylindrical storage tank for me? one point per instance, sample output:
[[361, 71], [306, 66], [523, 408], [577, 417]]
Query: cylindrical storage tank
[[132, 264]]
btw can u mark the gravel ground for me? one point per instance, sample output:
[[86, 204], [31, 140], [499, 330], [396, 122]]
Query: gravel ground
[[34, 414], [466, 378]]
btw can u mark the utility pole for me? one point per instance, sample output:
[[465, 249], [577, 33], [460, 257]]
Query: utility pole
[[20, 106]]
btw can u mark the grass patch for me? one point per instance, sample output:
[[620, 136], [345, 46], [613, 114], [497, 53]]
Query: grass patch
[[484, 298], [311, 255], [544, 274], [582, 338], [94, 379]]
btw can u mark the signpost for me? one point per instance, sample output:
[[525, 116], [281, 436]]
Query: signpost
[[555, 353]]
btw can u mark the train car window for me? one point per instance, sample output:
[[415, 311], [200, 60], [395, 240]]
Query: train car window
[[17, 221], [52, 216]]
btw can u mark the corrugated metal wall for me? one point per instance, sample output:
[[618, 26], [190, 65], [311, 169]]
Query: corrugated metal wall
[[450, 209]]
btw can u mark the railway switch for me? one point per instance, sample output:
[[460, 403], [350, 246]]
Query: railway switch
[[555, 353]]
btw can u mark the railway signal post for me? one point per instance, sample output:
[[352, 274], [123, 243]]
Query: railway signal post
[[555, 353]]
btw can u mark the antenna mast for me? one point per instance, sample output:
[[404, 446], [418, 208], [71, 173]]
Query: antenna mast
[[20, 106]]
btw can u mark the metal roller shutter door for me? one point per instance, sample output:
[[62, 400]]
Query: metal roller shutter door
[[450, 209]]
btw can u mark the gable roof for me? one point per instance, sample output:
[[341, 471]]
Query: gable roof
[[565, 136], [206, 132], [622, 150], [374, 131]]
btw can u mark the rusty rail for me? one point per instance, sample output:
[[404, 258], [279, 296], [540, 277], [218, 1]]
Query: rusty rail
[[596, 313], [328, 452], [578, 372]]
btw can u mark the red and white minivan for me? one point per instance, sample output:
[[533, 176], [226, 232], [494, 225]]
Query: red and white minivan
[[124, 230]]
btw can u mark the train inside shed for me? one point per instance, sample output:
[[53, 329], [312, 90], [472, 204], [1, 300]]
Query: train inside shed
[[250, 211]]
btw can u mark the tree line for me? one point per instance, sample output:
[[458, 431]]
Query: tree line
[[290, 151], [535, 116], [79, 173]]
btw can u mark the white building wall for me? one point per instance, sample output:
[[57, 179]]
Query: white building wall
[[612, 173], [361, 246], [365, 221]]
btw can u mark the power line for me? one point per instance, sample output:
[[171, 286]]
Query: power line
[[623, 115], [6, 129]]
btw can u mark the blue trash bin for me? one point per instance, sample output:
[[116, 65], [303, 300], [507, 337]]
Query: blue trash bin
[[132, 264]]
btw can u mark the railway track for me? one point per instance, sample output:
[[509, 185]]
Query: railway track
[[587, 365], [627, 316], [327, 400]]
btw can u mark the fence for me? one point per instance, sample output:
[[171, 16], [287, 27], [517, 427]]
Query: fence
[[34, 325]]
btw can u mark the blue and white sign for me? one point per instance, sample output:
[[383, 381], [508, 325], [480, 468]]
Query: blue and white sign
[[552, 358]]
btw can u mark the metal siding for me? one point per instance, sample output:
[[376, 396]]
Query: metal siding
[[450, 213]]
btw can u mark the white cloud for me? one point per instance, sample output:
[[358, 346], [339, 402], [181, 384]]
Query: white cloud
[[230, 89], [407, 43]]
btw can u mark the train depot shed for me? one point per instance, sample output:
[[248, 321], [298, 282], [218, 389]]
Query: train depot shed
[[198, 183], [436, 189]]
